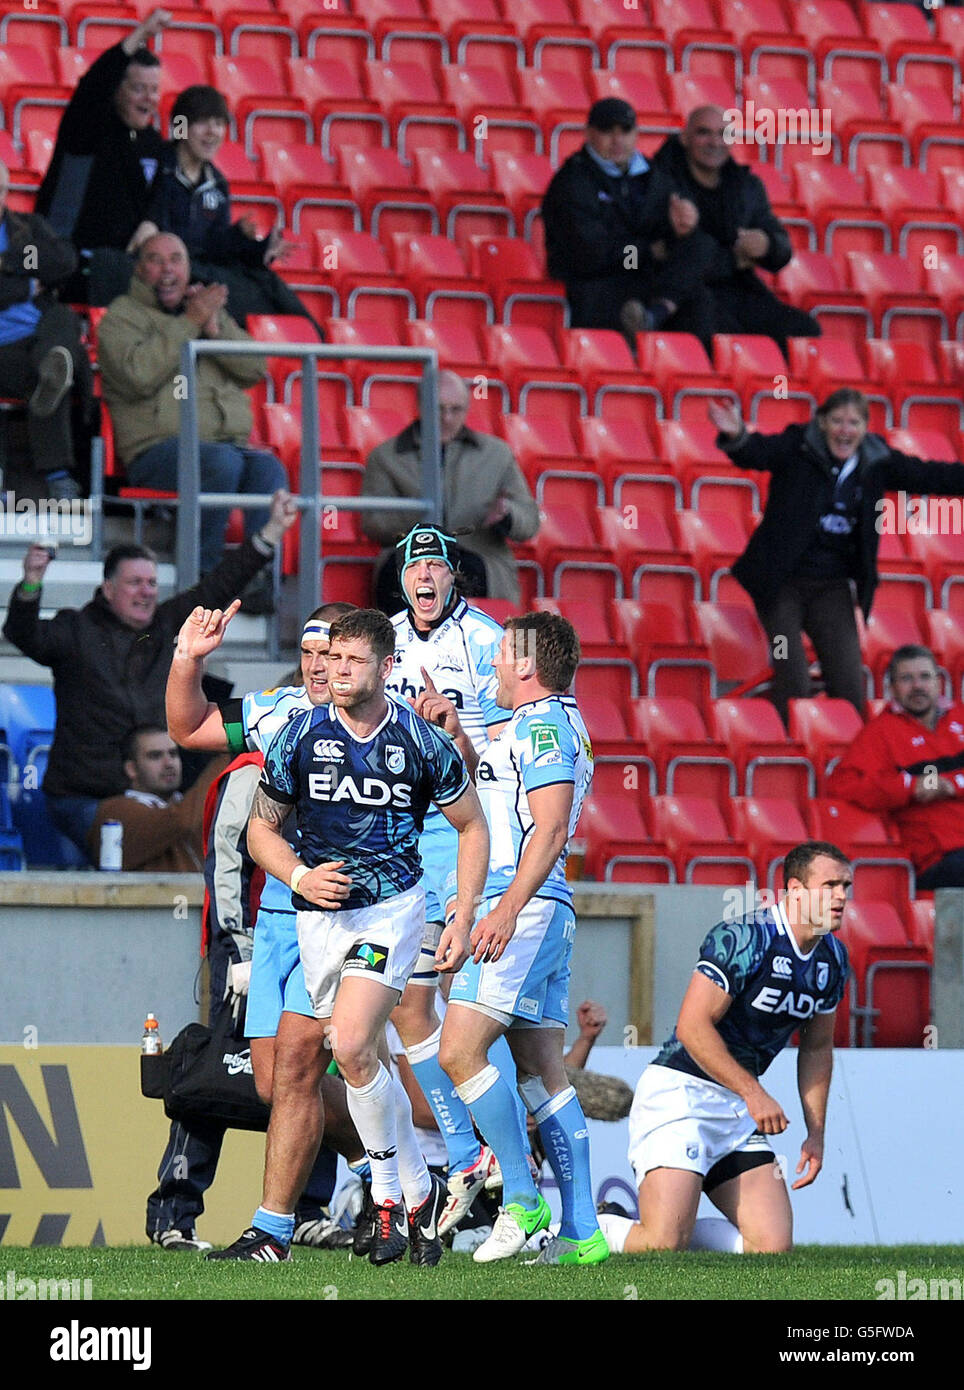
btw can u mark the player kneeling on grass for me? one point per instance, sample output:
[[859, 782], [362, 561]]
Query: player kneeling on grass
[[700, 1118], [532, 780], [360, 773]]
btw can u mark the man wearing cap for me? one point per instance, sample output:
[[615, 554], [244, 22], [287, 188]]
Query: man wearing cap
[[485, 498], [443, 665], [618, 237]]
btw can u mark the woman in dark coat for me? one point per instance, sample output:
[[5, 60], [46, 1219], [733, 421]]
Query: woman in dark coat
[[815, 550]]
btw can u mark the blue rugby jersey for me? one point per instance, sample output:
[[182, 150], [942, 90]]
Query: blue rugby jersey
[[774, 987], [363, 800]]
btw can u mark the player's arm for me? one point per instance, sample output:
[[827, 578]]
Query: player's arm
[[466, 816], [814, 1069], [550, 808], [192, 721], [703, 1008], [438, 709], [324, 885]]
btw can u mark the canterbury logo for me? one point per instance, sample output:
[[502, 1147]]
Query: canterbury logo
[[380, 1155], [782, 965], [329, 750]]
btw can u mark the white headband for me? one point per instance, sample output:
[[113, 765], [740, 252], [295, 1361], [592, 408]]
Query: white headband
[[315, 628]]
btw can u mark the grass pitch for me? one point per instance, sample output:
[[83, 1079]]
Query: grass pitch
[[810, 1273]]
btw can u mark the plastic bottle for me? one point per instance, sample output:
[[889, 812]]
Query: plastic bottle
[[151, 1040]]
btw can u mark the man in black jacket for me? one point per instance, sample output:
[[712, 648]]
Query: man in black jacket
[[97, 188], [737, 229], [620, 241], [41, 355], [816, 546], [110, 660]]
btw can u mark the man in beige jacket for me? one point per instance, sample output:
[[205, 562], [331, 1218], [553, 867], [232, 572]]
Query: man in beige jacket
[[141, 337], [485, 499]]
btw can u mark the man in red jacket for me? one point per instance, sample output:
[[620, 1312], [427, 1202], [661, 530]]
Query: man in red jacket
[[909, 761]]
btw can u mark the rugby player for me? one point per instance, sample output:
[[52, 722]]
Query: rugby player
[[360, 774], [701, 1119], [443, 666], [532, 780], [288, 1055]]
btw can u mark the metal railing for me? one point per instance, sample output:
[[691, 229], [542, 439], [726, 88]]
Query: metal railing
[[309, 498]]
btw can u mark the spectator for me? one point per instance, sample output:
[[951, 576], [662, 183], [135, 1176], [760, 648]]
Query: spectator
[[909, 761], [97, 187], [190, 198], [162, 828], [41, 355], [141, 337], [485, 499], [110, 660], [818, 539], [737, 223], [619, 240]]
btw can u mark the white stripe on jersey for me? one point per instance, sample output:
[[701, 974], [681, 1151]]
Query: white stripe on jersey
[[264, 713]]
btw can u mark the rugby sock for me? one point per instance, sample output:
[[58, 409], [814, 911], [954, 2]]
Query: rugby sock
[[615, 1229], [716, 1233], [412, 1169], [565, 1137], [500, 1054], [493, 1104], [362, 1169], [372, 1109], [275, 1223], [451, 1113]]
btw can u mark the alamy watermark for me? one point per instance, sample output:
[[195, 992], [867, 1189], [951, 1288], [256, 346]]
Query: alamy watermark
[[59, 521], [783, 125], [918, 1290], [25, 1289]]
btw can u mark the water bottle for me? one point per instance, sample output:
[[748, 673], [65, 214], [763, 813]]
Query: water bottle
[[151, 1040], [112, 845]]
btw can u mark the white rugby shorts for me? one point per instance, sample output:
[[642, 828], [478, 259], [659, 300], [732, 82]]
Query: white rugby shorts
[[680, 1121], [381, 942]]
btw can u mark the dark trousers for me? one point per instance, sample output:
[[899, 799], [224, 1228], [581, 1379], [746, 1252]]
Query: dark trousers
[[741, 305], [190, 1160], [824, 609], [946, 873], [51, 441]]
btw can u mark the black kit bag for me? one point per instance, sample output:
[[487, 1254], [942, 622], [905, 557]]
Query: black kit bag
[[210, 1078]]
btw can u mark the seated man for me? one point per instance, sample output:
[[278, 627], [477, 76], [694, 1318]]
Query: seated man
[[111, 657], [96, 189], [141, 336], [190, 198], [486, 501], [41, 355], [737, 226], [161, 828], [618, 238], [909, 761]]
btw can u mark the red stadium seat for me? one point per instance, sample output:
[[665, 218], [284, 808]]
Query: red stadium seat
[[573, 561], [768, 762], [769, 46], [737, 644], [894, 290], [713, 540], [688, 761], [467, 203], [332, 90], [825, 364], [628, 44], [525, 356], [908, 373], [619, 844], [699, 841], [553, 40], [560, 101], [256, 95], [752, 362], [605, 364], [815, 283], [880, 869], [307, 183], [678, 365], [913, 54], [404, 33], [665, 650], [478, 33], [642, 546], [410, 97], [384, 190], [522, 179], [837, 203], [893, 975], [342, 36], [825, 728], [945, 279], [862, 134], [769, 827], [434, 267], [516, 282], [927, 117], [837, 38], [359, 268], [700, 45], [489, 106], [911, 200]]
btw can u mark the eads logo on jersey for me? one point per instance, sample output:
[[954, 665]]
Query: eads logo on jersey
[[367, 956]]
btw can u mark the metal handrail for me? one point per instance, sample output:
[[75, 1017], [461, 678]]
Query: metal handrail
[[309, 500]]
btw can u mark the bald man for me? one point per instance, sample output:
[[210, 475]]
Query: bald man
[[735, 214], [141, 337], [486, 501], [40, 350]]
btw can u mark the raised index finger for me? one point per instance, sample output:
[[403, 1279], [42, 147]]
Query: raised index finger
[[430, 688]]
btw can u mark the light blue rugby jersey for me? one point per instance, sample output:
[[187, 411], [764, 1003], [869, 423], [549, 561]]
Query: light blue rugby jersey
[[458, 658], [264, 713], [545, 742]]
